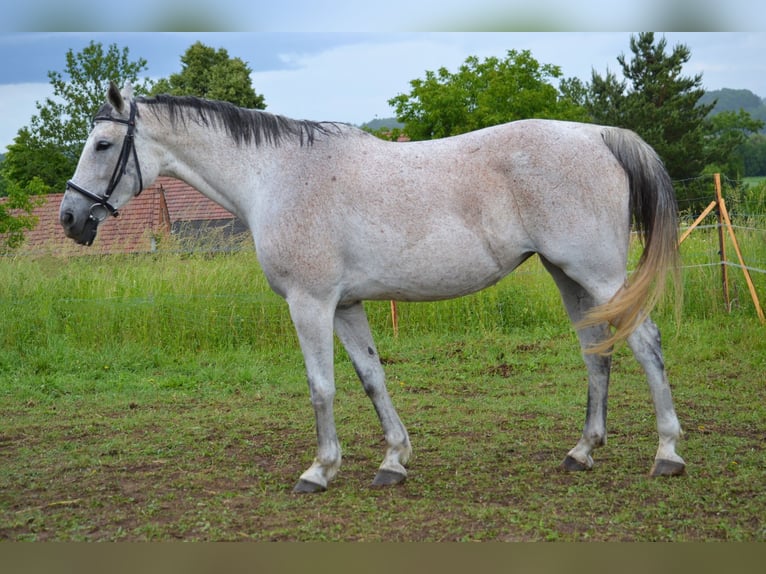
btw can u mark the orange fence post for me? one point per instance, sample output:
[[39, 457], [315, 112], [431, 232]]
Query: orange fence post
[[395, 318], [749, 281], [722, 243]]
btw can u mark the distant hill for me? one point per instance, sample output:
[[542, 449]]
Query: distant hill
[[729, 100], [378, 123]]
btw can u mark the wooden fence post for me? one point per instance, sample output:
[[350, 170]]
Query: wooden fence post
[[697, 221], [725, 222], [750, 286], [722, 243], [395, 318]]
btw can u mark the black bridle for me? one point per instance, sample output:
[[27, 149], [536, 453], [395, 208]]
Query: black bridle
[[128, 149]]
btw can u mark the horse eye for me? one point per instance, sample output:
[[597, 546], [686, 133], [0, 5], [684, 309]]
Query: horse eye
[[102, 145]]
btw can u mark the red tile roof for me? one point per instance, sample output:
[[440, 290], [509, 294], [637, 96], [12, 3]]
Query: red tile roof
[[140, 222], [187, 204]]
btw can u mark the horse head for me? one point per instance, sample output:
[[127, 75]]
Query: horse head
[[108, 172]]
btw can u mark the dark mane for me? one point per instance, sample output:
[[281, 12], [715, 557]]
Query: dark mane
[[243, 125]]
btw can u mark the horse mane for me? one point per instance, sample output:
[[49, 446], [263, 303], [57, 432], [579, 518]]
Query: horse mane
[[244, 126]]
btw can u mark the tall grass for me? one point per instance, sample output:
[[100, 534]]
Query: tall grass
[[703, 269], [178, 303], [173, 301]]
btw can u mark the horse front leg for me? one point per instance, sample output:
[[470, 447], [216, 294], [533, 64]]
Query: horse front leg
[[313, 323], [353, 330]]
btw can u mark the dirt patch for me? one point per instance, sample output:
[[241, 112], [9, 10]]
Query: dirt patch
[[504, 370]]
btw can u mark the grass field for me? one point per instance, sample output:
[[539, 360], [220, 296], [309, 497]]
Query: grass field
[[163, 397]]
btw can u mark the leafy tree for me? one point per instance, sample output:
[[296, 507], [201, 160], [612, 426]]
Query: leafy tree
[[727, 133], [212, 74], [575, 91], [16, 211], [483, 93], [754, 155], [50, 146], [31, 157], [657, 102]]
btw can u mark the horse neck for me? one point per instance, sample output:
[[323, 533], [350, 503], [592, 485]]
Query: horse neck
[[209, 160]]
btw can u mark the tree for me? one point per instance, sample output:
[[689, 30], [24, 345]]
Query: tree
[[657, 102], [50, 146], [16, 211], [212, 74], [483, 93], [31, 157], [754, 155], [727, 133]]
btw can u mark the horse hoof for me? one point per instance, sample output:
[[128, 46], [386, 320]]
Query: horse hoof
[[306, 487], [573, 465], [388, 478], [664, 467]]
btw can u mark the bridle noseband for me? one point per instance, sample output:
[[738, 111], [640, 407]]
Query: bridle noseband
[[128, 149]]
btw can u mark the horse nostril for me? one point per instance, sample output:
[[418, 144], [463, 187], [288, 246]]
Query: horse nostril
[[67, 218]]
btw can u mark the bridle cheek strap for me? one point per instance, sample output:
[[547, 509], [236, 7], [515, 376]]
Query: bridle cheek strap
[[128, 149]]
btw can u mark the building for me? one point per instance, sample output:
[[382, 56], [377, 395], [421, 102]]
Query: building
[[169, 208]]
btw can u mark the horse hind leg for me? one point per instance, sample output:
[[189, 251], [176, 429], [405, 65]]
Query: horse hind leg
[[577, 302], [594, 431], [646, 346], [353, 330]]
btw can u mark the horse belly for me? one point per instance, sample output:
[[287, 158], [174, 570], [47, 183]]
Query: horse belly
[[427, 271]]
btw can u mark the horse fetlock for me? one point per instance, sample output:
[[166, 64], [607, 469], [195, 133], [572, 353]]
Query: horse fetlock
[[320, 473], [595, 439], [401, 453]]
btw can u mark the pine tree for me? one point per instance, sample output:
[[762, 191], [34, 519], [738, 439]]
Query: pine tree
[[657, 102]]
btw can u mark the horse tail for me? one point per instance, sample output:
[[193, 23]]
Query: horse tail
[[654, 213]]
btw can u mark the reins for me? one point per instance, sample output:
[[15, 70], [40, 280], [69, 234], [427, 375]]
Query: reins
[[128, 149]]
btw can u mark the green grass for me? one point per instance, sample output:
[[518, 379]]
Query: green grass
[[163, 397], [755, 181]]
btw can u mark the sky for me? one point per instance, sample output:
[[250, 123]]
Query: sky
[[349, 76]]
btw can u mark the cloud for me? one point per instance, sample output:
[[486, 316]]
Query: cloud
[[17, 106], [365, 76], [353, 82]]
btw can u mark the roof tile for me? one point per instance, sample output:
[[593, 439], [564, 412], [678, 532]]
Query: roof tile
[[144, 218]]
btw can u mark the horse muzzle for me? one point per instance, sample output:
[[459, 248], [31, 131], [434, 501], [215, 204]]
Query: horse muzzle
[[83, 230]]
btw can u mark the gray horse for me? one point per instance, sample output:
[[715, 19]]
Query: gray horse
[[339, 216]]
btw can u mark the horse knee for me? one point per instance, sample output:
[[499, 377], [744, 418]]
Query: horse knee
[[322, 395]]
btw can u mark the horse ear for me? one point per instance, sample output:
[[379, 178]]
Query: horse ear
[[114, 97]]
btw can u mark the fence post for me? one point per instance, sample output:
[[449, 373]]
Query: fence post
[[722, 243], [745, 271], [395, 318]]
